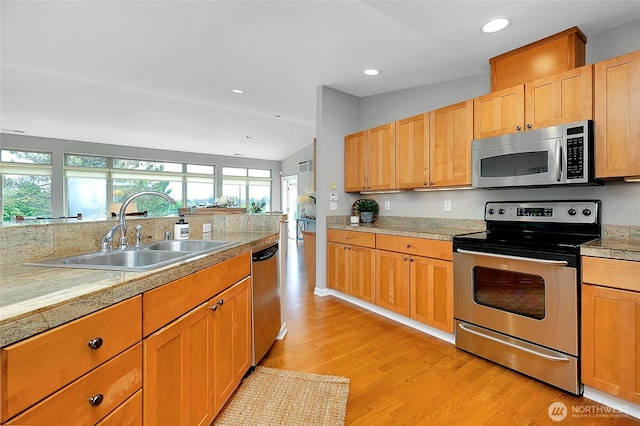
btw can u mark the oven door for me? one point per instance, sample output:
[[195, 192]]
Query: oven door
[[532, 299], [500, 162]]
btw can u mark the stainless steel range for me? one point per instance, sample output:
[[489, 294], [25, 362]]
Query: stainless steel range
[[516, 287]]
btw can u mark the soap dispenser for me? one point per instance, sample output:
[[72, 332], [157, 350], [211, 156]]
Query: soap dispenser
[[181, 229]]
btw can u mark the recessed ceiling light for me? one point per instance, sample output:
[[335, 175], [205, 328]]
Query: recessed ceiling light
[[494, 25], [237, 91], [248, 137], [277, 116], [371, 72]]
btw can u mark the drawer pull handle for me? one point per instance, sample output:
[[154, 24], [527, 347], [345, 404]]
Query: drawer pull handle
[[96, 343], [96, 400]]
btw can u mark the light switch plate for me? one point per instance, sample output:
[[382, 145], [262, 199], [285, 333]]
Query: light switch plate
[[333, 205], [333, 197], [206, 227]]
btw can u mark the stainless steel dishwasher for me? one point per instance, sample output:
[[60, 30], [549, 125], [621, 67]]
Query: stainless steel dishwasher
[[267, 318]]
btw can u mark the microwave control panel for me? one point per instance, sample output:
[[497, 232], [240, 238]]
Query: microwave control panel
[[575, 146]]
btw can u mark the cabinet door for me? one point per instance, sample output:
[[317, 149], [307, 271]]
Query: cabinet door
[[617, 108], [178, 371], [361, 270], [381, 157], [412, 152], [232, 339], [451, 133], [337, 266], [355, 162], [499, 113], [393, 281], [559, 99], [432, 292], [611, 341]]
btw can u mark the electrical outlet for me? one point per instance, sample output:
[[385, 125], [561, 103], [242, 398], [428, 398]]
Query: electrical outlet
[[387, 205], [206, 227], [447, 205]]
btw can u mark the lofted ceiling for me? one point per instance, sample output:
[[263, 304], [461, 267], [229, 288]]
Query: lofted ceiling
[[160, 74]]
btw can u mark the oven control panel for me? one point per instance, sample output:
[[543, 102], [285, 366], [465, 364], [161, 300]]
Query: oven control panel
[[543, 211]]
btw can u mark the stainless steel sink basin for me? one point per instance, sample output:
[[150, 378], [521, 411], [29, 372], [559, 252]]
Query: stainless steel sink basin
[[147, 257], [187, 245]]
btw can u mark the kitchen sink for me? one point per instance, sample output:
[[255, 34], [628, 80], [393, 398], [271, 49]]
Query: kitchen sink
[[187, 245], [144, 258]]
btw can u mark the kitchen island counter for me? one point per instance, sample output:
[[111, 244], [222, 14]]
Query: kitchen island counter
[[34, 299]]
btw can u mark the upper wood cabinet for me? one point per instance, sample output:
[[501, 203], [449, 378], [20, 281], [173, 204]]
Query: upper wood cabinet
[[370, 159], [450, 136], [549, 101], [412, 152], [355, 162], [617, 108]]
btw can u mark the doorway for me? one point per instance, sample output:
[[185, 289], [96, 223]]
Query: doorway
[[290, 203]]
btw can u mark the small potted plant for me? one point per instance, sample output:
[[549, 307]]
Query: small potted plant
[[367, 208]]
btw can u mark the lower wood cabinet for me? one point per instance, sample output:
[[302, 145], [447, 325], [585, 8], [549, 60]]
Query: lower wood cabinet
[[351, 263], [393, 284], [611, 326], [432, 292], [194, 364], [178, 371]]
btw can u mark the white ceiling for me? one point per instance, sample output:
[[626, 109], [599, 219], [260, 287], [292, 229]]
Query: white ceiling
[[160, 73]]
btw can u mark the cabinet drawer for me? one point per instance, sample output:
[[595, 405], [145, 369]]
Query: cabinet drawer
[[127, 414], [40, 365], [416, 246], [115, 380], [622, 274], [166, 303], [364, 239]]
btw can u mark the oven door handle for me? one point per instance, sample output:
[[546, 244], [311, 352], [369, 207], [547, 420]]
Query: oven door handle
[[513, 345], [506, 256]]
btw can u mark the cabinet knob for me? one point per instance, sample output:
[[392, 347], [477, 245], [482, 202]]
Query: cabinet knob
[[529, 126], [518, 128], [96, 343], [425, 183], [405, 259], [408, 245], [96, 400], [221, 302], [411, 259], [431, 183], [214, 308]]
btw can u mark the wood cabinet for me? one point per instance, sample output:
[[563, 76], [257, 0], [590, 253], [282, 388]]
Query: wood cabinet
[[201, 356], [370, 159], [351, 263], [91, 397], [450, 136], [549, 101], [70, 351], [178, 371], [415, 279], [611, 326], [617, 108], [231, 311], [355, 162], [412, 152]]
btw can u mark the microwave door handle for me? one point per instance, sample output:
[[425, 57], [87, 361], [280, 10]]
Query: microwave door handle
[[506, 256], [558, 160]]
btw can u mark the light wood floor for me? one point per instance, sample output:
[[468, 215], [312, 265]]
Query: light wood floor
[[400, 376]]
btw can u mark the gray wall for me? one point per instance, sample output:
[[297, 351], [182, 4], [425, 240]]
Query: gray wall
[[340, 114], [58, 147]]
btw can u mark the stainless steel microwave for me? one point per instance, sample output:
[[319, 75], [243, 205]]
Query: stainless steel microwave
[[558, 155]]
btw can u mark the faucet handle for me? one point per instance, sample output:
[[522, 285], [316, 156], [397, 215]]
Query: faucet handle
[[138, 235]]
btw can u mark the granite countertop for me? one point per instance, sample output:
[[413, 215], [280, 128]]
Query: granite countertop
[[434, 232], [613, 248], [34, 299]]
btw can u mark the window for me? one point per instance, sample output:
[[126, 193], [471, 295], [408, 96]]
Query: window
[[247, 188], [26, 184], [93, 183]]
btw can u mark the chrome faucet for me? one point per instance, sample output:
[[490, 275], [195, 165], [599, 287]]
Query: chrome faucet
[[124, 241]]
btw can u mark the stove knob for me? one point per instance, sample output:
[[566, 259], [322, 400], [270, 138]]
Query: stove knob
[[586, 212], [572, 212], [500, 211], [492, 211]]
